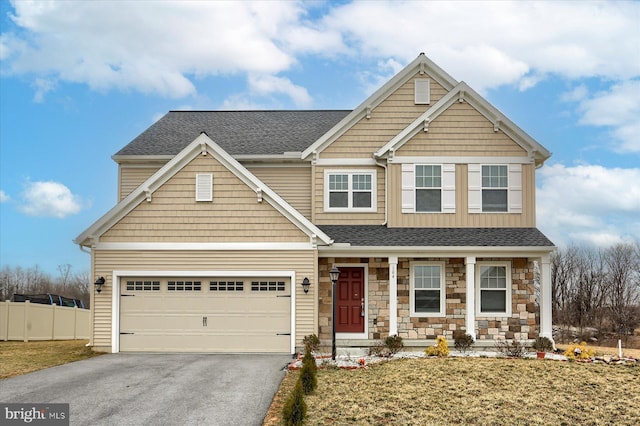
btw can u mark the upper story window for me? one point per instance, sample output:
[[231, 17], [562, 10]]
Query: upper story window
[[495, 188], [350, 191], [427, 296], [428, 188]]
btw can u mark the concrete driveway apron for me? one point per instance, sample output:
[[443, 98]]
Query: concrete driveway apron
[[156, 389]]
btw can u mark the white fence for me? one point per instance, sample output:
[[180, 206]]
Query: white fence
[[33, 321]]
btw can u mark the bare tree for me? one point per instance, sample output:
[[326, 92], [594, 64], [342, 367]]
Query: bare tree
[[622, 289]]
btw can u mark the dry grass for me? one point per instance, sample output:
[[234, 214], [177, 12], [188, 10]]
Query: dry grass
[[24, 357], [475, 391]]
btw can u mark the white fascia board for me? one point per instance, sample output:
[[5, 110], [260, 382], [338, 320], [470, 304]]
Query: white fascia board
[[274, 199], [420, 63], [490, 112], [139, 194], [460, 160], [436, 251], [120, 159], [418, 124], [172, 167], [346, 162], [158, 246]]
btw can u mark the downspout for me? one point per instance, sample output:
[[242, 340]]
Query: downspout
[[386, 190]]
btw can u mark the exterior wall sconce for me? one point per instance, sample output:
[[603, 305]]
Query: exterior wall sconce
[[306, 284], [99, 283], [334, 274]]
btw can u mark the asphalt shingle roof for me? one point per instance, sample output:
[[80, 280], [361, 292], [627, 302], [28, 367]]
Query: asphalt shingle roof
[[237, 132], [376, 235]]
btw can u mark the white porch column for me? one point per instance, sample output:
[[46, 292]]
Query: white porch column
[[393, 295], [470, 320], [546, 321]]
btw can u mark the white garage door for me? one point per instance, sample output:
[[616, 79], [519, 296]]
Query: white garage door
[[205, 314]]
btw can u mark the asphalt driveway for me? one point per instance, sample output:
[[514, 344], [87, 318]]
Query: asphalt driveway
[[156, 389]]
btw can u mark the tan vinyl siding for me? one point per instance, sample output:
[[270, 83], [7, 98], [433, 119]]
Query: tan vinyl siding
[[234, 215], [301, 261], [131, 177], [291, 183], [461, 218], [387, 120], [369, 218], [461, 131]]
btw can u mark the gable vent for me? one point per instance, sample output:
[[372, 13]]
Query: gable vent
[[422, 92], [204, 187]]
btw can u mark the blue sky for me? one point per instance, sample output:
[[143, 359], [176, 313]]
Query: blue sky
[[79, 80]]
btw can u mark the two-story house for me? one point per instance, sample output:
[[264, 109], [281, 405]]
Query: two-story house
[[228, 223]]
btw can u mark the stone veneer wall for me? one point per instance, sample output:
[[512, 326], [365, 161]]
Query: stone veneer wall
[[521, 325]]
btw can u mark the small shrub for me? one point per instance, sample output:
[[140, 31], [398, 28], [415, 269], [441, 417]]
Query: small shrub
[[378, 349], [311, 343], [543, 344], [393, 344], [441, 348], [462, 340], [294, 409], [308, 373], [579, 351], [510, 348]]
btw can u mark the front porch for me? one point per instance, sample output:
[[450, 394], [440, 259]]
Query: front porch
[[392, 303]]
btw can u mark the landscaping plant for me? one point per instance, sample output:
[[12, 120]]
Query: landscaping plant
[[311, 343], [295, 408], [393, 344], [579, 351], [511, 348], [309, 373], [543, 344], [462, 340], [440, 349]]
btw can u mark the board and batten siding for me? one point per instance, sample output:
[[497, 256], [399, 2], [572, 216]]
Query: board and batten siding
[[356, 218], [234, 215], [291, 183], [461, 217], [461, 131], [130, 177], [388, 119], [303, 262]]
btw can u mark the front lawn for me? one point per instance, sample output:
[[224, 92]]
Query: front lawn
[[24, 357], [440, 391]]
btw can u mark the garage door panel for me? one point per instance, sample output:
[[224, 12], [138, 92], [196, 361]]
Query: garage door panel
[[252, 318]]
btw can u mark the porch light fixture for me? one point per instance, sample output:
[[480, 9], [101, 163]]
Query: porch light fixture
[[306, 284], [334, 274], [99, 283]]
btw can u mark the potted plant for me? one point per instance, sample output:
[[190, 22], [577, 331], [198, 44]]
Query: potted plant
[[542, 345]]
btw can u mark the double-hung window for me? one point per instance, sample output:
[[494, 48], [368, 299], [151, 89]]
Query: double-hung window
[[495, 188], [427, 296], [428, 188], [494, 287], [347, 191]]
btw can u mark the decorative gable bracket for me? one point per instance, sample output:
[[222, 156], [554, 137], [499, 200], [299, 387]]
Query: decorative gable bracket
[[461, 96], [425, 125], [496, 124], [368, 114], [259, 194], [203, 147], [314, 241], [147, 194]]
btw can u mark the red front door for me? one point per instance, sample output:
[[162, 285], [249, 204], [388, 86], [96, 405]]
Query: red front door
[[350, 301]]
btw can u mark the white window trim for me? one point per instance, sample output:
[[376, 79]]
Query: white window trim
[[443, 290], [509, 284], [514, 187], [204, 187], [447, 188], [350, 173]]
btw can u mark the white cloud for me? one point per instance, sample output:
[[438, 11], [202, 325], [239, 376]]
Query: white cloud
[[161, 47], [269, 84], [49, 199], [618, 108], [589, 203], [4, 197]]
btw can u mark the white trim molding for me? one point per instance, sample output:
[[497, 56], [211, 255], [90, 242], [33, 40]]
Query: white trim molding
[[470, 320], [203, 246], [508, 284], [412, 289]]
